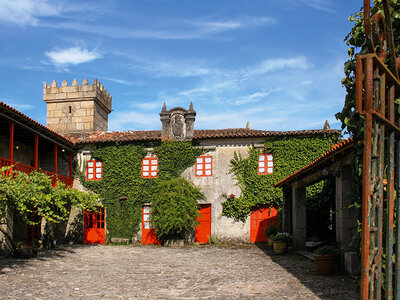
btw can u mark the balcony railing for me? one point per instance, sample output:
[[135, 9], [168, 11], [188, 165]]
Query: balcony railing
[[28, 169]]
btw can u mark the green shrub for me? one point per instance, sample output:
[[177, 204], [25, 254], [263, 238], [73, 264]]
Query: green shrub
[[282, 237], [271, 230], [326, 250], [175, 208]]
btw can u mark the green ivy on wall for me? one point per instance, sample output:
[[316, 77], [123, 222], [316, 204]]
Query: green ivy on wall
[[122, 177], [290, 154]]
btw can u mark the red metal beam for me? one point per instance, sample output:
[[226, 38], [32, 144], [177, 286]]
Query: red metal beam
[[36, 152], [11, 141]]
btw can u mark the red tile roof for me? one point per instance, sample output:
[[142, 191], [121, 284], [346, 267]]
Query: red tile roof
[[155, 135], [12, 112], [335, 149]]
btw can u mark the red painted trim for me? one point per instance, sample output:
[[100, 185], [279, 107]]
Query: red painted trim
[[70, 165], [36, 164], [203, 163], [265, 164], [94, 173], [55, 164], [153, 161], [11, 141]]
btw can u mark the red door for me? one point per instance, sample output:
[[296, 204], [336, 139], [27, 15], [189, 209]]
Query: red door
[[203, 230], [260, 219], [149, 236], [94, 227]]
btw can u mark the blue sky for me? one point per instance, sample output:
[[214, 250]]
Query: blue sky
[[276, 64]]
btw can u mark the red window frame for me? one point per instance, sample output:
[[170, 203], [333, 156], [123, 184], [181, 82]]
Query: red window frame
[[94, 168], [202, 166], [265, 164], [149, 162]]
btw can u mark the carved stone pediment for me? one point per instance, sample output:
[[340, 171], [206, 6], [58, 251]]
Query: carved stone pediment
[[178, 123]]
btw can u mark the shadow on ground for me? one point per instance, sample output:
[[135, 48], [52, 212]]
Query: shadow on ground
[[336, 286]]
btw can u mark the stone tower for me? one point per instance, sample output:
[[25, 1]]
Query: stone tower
[[75, 108], [177, 123]]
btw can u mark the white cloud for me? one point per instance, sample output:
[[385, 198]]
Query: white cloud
[[74, 56], [252, 98], [277, 64], [26, 12], [17, 105]]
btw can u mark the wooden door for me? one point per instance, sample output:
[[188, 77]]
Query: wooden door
[[262, 218], [149, 236], [94, 227], [203, 230]]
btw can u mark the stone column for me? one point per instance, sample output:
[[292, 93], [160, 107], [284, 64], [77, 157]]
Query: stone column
[[287, 210], [345, 216], [299, 223]]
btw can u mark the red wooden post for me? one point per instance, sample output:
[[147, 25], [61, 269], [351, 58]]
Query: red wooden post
[[70, 166], [11, 142], [55, 164], [36, 152]]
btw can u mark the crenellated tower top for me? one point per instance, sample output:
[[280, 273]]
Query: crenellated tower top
[[77, 108]]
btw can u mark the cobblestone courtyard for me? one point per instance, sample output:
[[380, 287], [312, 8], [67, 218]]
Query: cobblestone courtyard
[[140, 272]]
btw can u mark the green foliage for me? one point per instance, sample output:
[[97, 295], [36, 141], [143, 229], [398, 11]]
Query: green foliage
[[271, 230], [324, 250], [290, 154], [122, 177], [214, 240], [24, 194], [282, 237], [174, 208]]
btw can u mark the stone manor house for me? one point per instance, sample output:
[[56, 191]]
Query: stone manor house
[[77, 121]]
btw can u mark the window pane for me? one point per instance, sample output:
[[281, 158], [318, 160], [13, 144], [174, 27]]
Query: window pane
[[270, 164], [199, 172], [208, 159], [261, 164], [146, 209], [145, 174], [146, 217], [200, 166], [90, 164], [154, 174], [208, 172], [145, 161], [270, 170], [146, 225], [154, 168], [261, 170], [208, 166], [90, 176], [146, 168], [98, 170], [90, 170], [153, 162], [270, 157], [261, 157], [199, 160], [98, 163], [98, 176]]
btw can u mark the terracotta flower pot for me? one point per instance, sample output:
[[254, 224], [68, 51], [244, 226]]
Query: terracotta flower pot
[[325, 263], [280, 247]]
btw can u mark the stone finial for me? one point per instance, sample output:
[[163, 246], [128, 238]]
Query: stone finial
[[326, 125], [75, 82], [248, 125], [44, 84], [54, 84], [64, 83], [177, 123], [85, 82], [164, 108], [191, 106]]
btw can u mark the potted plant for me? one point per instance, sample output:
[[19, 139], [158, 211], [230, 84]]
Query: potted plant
[[270, 233], [325, 258], [281, 241]]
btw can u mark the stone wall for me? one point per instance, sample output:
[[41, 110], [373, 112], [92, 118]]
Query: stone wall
[[75, 108]]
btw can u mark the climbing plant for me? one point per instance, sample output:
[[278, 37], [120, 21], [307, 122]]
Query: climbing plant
[[122, 178], [289, 153]]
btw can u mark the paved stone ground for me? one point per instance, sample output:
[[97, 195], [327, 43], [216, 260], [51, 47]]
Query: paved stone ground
[[150, 272]]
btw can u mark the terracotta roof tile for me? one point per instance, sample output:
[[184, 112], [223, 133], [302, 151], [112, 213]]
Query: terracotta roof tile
[[155, 135], [335, 149]]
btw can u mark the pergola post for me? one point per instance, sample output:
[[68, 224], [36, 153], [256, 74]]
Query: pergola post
[[287, 210], [11, 141], [55, 164], [70, 166], [36, 159], [299, 222]]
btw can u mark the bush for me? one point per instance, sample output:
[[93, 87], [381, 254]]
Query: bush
[[175, 208], [282, 237], [324, 250], [271, 230]]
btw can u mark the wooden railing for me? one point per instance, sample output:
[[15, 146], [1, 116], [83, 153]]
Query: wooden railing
[[28, 169]]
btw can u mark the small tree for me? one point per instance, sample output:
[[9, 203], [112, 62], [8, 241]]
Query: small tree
[[175, 208], [23, 194]]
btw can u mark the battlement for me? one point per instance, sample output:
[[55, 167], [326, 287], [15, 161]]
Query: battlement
[[52, 93]]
